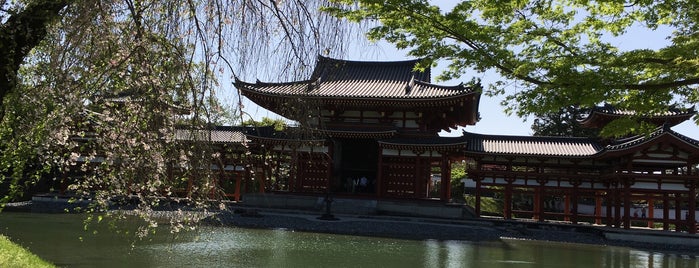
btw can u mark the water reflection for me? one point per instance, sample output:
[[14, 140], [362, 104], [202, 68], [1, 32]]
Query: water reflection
[[55, 237]]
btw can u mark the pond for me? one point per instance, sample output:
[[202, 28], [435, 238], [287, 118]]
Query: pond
[[61, 239]]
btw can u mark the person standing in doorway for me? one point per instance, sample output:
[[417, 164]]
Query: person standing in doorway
[[363, 182]]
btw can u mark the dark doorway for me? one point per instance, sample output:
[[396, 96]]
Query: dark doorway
[[358, 164]]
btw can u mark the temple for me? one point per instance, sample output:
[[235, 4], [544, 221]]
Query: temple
[[370, 129]]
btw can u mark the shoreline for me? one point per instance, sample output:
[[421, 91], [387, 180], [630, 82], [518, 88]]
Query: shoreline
[[410, 228]]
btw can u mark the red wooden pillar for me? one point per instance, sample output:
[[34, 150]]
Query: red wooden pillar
[[507, 207], [260, 177], [566, 207], [651, 211], [537, 204], [627, 203], [300, 172], [610, 197], [540, 197], [477, 205], [678, 212], [445, 191], [574, 199], [542, 200], [617, 206], [379, 175], [692, 207], [236, 194], [329, 171], [666, 211], [417, 188], [477, 178], [249, 173], [598, 207]]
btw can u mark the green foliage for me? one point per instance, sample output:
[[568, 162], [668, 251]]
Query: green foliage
[[13, 255], [559, 53], [458, 173], [278, 124], [565, 123], [23, 147]]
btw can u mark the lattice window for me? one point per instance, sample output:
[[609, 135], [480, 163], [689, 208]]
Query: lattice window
[[399, 176], [313, 173]]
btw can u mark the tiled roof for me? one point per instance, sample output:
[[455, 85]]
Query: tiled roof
[[289, 134], [526, 145], [611, 110], [213, 135], [602, 115], [641, 139], [334, 78], [328, 69]]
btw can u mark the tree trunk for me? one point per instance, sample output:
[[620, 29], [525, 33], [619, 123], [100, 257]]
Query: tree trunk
[[19, 35]]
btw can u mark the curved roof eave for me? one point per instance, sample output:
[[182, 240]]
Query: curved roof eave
[[643, 140], [316, 141], [309, 86], [610, 112], [341, 97]]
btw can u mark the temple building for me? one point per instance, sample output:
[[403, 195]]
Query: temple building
[[642, 178], [370, 129]]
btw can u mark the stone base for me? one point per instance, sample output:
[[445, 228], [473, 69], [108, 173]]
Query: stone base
[[341, 205]]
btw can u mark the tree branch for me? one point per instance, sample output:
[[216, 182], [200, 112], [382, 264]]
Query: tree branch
[[660, 86], [473, 45]]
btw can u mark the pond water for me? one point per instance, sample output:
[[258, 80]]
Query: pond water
[[61, 239]]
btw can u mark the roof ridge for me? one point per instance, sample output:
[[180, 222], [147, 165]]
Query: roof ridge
[[641, 138], [460, 86], [528, 138], [413, 61]]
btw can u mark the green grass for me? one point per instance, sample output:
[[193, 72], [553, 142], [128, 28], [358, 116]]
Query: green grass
[[13, 255]]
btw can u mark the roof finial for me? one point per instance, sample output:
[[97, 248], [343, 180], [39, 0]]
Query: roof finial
[[410, 85]]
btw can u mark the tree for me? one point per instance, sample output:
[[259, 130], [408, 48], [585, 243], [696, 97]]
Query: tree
[[278, 124], [556, 53], [22, 30], [458, 173], [99, 87], [565, 122]]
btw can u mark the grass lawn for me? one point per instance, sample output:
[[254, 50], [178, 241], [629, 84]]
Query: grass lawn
[[13, 255]]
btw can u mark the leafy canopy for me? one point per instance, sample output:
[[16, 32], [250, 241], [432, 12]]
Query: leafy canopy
[[555, 53]]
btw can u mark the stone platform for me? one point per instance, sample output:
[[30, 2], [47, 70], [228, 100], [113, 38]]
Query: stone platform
[[359, 205]]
